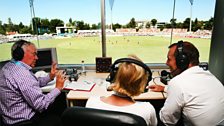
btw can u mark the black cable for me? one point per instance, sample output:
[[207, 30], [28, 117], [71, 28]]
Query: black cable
[[153, 79], [163, 94]]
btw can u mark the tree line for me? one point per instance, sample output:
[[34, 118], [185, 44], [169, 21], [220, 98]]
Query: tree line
[[41, 26]]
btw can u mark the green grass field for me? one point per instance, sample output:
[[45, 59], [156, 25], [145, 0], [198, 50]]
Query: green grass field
[[150, 49]]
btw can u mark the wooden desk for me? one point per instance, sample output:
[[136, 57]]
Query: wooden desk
[[100, 89]]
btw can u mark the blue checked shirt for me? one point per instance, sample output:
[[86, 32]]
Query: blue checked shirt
[[20, 93]]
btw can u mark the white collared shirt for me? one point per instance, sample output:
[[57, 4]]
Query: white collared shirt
[[198, 95]]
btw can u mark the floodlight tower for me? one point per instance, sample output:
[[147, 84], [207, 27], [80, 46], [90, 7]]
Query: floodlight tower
[[31, 12], [103, 31], [111, 21], [111, 8], [172, 22], [32, 21], [191, 2]]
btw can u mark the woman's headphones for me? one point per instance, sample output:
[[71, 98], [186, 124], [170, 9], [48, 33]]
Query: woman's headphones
[[182, 60], [114, 68]]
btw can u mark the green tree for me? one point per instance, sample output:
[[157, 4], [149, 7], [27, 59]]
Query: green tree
[[74, 24], [99, 25], [186, 23], [94, 26], [173, 23], [70, 21], [25, 30], [161, 27], [148, 25], [45, 22], [153, 22], [55, 23], [132, 23], [10, 26], [21, 25], [197, 25], [209, 24], [44, 26], [86, 26], [80, 25], [115, 26], [179, 25], [36, 24], [2, 29]]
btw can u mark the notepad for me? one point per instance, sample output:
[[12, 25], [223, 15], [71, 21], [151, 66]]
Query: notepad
[[79, 86]]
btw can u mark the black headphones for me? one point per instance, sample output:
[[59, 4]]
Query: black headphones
[[114, 68], [17, 52], [182, 60]]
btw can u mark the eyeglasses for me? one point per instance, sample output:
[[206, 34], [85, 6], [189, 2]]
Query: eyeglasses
[[33, 53]]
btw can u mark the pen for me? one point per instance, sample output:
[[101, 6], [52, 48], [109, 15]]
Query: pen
[[87, 82]]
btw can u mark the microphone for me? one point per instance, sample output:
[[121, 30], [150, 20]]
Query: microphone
[[72, 74], [165, 76], [204, 65], [164, 73]]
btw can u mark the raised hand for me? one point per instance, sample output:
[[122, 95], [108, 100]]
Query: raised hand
[[60, 79], [53, 70]]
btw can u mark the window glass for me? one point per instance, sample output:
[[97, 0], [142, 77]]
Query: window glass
[[141, 27]]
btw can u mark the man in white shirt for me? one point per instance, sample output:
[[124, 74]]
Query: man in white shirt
[[193, 93]]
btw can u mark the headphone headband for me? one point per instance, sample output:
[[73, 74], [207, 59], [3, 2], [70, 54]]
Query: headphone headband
[[113, 70], [129, 60]]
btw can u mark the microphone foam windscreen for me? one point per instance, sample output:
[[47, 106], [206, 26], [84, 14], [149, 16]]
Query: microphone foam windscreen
[[164, 73]]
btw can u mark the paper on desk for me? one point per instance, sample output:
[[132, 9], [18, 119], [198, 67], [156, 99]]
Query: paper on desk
[[79, 86]]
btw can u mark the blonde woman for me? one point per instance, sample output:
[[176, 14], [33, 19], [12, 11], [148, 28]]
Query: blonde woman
[[129, 78]]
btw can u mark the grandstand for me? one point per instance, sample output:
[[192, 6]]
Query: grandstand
[[19, 36]]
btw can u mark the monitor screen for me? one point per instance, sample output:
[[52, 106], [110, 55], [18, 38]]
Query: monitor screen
[[45, 58]]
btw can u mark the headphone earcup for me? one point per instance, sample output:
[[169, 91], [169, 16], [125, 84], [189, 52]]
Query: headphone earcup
[[18, 54], [112, 75], [182, 60]]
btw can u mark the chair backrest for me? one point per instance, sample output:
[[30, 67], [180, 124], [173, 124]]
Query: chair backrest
[[1, 123], [221, 123], [2, 63], [81, 116]]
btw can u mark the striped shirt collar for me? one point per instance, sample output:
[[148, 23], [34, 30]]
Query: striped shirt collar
[[19, 63]]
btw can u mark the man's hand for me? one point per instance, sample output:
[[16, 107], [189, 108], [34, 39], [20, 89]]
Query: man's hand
[[60, 79], [156, 88], [53, 70]]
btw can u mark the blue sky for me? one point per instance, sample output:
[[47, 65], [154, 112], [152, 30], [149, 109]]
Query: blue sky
[[89, 10]]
